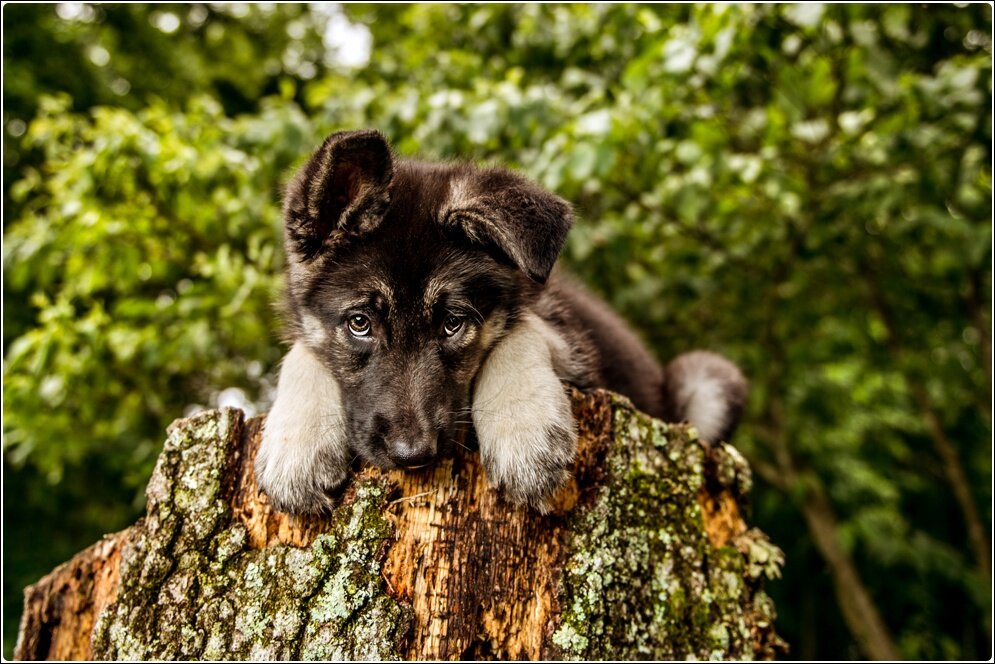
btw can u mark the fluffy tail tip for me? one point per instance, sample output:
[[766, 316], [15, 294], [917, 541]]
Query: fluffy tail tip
[[708, 391]]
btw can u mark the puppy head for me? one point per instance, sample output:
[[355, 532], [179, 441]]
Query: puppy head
[[402, 276]]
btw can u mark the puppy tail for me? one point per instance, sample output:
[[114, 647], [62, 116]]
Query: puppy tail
[[706, 390]]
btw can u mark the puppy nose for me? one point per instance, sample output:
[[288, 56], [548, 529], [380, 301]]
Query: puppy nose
[[411, 455]]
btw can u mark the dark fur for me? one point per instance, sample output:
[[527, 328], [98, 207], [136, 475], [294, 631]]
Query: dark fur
[[368, 234]]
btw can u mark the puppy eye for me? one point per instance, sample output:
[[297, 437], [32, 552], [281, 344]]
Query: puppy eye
[[359, 326], [453, 324]]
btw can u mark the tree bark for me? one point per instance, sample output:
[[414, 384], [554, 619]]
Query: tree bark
[[645, 556]]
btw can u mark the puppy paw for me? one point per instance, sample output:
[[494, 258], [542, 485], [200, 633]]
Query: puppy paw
[[303, 455], [297, 475], [523, 418], [531, 464]]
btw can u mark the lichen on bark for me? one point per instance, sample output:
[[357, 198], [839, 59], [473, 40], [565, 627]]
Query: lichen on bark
[[190, 588], [643, 579]]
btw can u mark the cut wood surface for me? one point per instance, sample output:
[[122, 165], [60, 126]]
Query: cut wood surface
[[645, 556]]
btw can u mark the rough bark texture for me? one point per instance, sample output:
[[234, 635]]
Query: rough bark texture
[[646, 556]]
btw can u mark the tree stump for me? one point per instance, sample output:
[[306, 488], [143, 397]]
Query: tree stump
[[645, 556]]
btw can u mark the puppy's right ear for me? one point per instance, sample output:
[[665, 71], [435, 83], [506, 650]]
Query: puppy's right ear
[[341, 191]]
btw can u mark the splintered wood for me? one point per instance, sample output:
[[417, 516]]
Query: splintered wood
[[61, 609], [479, 573]]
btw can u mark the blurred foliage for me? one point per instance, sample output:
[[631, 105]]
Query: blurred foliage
[[806, 189], [122, 55]]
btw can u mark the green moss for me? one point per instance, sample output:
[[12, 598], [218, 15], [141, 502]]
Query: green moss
[[191, 589], [643, 579]]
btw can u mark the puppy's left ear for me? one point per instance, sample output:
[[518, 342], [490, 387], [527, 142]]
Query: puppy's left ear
[[518, 218]]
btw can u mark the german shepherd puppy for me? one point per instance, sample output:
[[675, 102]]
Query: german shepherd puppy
[[421, 296]]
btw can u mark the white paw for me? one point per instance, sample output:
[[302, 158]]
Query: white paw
[[530, 464], [523, 418], [303, 455]]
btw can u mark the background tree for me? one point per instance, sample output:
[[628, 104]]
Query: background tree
[[806, 189]]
